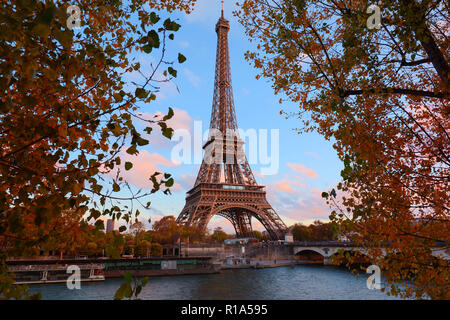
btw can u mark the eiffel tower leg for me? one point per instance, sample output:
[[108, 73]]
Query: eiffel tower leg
[[242, 224], [271, 221]]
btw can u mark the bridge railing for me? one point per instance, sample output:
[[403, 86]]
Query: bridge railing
[[331, 243]]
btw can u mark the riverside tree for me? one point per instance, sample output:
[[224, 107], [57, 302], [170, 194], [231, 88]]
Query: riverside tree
[[67, 109], [381, 93]]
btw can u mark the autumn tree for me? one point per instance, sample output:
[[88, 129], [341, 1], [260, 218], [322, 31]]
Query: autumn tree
[[143, 248], [166, 230], [300, 232], [380, 91], [258, 235], [115, 244], [193, 234], [317, 231], [219, 235], [156, 250], [67, 109], [137, 228]]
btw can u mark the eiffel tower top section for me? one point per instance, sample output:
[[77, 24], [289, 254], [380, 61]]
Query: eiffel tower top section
[[224, 159], [223, 115]]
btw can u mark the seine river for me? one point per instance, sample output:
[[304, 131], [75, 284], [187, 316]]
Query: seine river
[[283, 283]]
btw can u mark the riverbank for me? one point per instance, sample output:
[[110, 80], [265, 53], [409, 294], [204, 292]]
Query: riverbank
[[99, 269], [58, 271], [260, 264]]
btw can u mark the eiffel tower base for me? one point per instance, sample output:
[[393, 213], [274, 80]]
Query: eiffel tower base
[[237, 204]]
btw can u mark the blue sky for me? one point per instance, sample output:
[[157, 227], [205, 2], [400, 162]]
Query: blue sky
[[308, 163]]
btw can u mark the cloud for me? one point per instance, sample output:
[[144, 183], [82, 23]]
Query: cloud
[[192, 77], [313, 154], [295, 201], [259, 174], [186, 180], [287, 185], [184, 44], [307, 172], [180, 120], [144, 165], [204, 11]]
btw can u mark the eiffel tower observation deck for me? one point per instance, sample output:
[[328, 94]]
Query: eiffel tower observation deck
[[225, 184]]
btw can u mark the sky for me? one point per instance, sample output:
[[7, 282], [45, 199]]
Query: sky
[[308, 165]]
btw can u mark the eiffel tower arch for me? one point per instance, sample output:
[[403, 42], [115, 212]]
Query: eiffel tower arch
[[225, 184]]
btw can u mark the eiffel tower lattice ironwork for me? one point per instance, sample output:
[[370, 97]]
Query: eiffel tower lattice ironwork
[[225, 183]]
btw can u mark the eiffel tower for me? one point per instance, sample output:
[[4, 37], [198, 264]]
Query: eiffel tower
[[225, 183]]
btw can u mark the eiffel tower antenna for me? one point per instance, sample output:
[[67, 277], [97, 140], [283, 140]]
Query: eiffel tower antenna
[[225, 184]]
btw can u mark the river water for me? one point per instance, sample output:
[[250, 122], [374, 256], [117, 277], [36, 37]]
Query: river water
[[283, 283]]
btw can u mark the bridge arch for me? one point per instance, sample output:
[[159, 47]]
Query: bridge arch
[[311, 255], [353, 257]]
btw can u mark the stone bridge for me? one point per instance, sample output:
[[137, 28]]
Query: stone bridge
[[328, 248]]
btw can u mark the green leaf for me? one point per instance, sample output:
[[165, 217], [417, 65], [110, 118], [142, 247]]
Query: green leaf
[[147, 48], [99, 225], [167, 132], [141, 141], [169, 183], [148, 130], [95, 214], [333, 193], [132, 150], [138, 291], [118, 97], [172, 71], [120, 292], [181, 58], [116, 187], [153, 39], [154, 18], [128, 277], [141, 93], [122, 229], [171, 25], [169, 115], [128, 291], [128, 165]]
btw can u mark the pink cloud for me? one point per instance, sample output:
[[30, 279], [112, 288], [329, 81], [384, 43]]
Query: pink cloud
[[186, 180], [287, 185], [180, 120], [295, 201], [307, 172], [313, 154], [144, 165]]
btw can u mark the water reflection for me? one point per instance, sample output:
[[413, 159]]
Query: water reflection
[[296, 282]]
